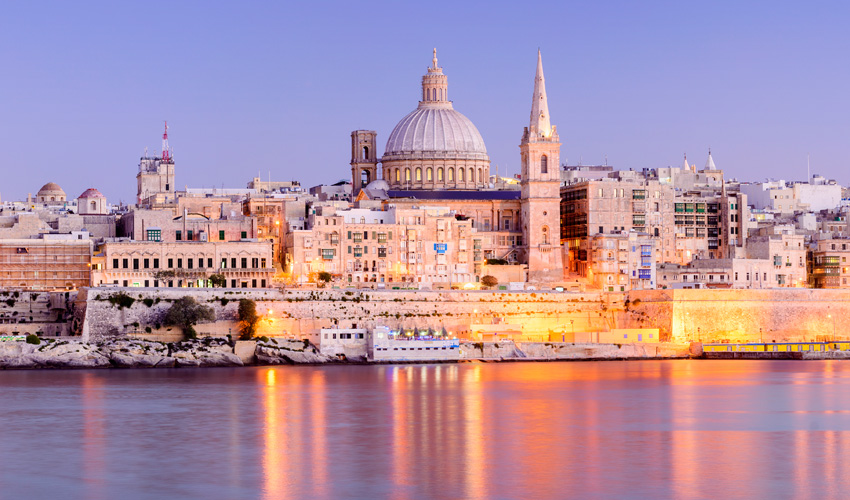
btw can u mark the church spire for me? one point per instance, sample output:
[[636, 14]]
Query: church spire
[[540, 126]]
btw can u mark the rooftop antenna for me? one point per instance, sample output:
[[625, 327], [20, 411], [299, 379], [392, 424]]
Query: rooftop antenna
[[166, 151], [808, 169]]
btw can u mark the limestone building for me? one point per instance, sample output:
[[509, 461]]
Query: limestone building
[[435, 156]]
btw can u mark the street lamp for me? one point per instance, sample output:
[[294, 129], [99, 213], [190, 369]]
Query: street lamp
[[833, 326]]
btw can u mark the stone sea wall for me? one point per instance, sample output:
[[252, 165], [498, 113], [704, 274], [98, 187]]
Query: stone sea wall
[[301, 314], [680, 315], [789, 314]]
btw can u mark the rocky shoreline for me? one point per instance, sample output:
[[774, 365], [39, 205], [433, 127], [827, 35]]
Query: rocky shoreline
[[132, 353]]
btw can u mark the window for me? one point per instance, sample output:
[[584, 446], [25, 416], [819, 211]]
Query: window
[[114, 263], [328, 253], [407, 175], [244, 235], [209, 262], [429, 174], [221, 235], [146, 263], [189, 263], [397, 175], [179, 263], [544, 165], [440, 174], [156, 263], [244, 263], [154, 234], [125, 263], [418, 174], [460, 175], [190, 235], [178, 235], [451, 174]]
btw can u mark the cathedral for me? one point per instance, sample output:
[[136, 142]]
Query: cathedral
[[436, 156]]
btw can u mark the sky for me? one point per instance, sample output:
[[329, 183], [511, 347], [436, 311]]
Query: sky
[[277, 87]]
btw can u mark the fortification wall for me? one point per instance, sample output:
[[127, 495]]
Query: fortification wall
[[302, 313], [680, 315], [787, 314]]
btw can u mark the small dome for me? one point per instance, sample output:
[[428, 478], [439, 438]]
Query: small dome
[[436, 130], [91, 193], [51, 188], [379, 184]]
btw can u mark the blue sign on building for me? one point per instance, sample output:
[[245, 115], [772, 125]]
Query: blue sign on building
[[440, 247]]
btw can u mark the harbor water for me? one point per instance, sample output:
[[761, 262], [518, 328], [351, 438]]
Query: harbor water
[[623, 429]]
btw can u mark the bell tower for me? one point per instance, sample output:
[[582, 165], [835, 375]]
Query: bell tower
[[364, 160], [540, 183]]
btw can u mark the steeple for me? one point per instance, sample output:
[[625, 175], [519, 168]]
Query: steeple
[[540, 126], [685, 166], [435, 86], [709, 164]]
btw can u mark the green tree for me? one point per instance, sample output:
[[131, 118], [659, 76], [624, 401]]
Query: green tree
[[489, 281], [248, 318], [218, 280], [324, 277], [186, 313]]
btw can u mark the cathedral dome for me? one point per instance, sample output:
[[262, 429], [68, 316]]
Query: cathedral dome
[[436, 129], [91, 193], [50, 192]]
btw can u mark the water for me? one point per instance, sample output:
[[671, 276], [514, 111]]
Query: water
[[653, 429]]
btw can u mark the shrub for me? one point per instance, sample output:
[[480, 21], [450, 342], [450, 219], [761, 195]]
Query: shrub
[[148, 302], [224, 301], [10, 302], [33, 339], [121, 300], [218, 280], [186, 313], [248, 318], [489, 281]]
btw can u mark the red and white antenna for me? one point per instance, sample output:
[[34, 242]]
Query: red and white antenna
[[166, 151]]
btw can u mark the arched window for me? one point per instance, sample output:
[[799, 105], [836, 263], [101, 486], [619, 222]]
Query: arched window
[[481, 175], [364, 177], [460, 175], [471, 175], [440, 174], [429, 174], [397, 175], [365, 152], [544, 164], [94, 205], [544, 237], [451, 174], [418, 174]]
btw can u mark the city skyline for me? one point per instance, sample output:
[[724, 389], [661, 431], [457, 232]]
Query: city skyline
[[92, 87]]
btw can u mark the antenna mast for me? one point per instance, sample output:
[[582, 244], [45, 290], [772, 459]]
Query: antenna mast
[[166, 151]]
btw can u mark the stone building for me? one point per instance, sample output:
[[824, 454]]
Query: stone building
[[828, 265], [244, 264], [51, 194], [54, 262], [163, 225], [433, 147], [428, 245], [92, 202], [435, 156], [620, 261]]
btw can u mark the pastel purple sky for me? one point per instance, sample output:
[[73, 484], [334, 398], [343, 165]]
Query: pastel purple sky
[[279, 86]]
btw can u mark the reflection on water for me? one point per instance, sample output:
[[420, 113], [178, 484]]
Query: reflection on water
[[654, 429]]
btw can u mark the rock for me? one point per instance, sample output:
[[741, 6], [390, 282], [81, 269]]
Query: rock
[[204, 352], [137, 354], [286, 352], [69, 354]]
